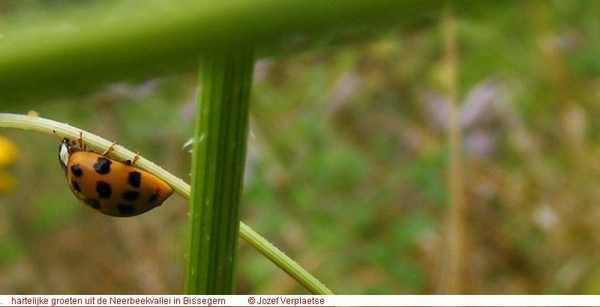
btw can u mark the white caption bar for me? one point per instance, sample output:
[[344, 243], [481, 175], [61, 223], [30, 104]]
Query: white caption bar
[[300, 300]]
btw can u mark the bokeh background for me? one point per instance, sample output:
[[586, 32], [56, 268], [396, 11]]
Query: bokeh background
[[347, 168]]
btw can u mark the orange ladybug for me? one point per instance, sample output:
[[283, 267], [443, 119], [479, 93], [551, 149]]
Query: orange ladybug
[[112, 187]]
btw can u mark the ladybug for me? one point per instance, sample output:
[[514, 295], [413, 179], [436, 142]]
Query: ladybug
[[112, 187]]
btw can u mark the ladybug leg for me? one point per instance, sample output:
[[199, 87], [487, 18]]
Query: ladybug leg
[[109, 149], [80, 141], [135, 159]]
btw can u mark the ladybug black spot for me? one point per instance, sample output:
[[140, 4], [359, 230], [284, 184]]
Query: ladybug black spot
[[134, 179], [153, 198], [94, 203], [102, 166], [76, 170], [75, 186], [126, 209], [131, 195], [103, 189]]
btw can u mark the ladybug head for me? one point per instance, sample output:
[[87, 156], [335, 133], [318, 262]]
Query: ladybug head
[[65, 148]]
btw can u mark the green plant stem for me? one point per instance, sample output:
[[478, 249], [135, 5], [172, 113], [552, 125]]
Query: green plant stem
[[218, 160], [78, 50], [452, 281], [282, 261]]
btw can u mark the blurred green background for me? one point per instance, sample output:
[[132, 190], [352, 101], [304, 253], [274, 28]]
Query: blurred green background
[[347, 166]]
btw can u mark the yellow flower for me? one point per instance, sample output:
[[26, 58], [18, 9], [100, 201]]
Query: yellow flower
[[8, 152], [8, 155]]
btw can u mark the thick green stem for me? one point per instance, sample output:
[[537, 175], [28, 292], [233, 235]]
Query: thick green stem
[[220, 133], [78, 50]]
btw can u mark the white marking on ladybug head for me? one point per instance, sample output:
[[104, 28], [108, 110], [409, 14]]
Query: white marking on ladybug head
[[63, 154]]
